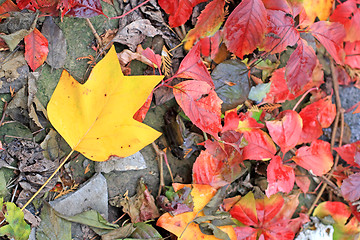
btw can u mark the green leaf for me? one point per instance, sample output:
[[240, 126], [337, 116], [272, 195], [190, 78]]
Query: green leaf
[[145, 231], [215, 202], [52, 227], [16, 228], [210, 229]]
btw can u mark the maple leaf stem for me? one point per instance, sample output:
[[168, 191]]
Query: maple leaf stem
[[121, 16], [47, 181], [302, 98]]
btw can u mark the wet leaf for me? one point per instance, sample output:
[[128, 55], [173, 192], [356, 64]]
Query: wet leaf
[[286, 129], [280, 177], [57, 43], [231, 83], [95, 132], [240, 36], [317, 157], [201, 104]]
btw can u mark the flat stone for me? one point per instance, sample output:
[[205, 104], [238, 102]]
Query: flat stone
[[93, 194], [133, 162]]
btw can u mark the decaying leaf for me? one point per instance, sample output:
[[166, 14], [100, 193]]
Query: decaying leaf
[[102, 125]]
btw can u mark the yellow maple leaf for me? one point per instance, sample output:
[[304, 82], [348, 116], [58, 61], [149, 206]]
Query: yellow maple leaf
[[96, 118]]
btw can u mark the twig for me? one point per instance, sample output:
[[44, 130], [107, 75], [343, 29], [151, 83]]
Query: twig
[[47, 181], [121, 16], [94, 31], [340, 112], [162, 155], [3, 114]]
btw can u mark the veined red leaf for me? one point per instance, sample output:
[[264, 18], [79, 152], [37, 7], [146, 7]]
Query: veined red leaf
[[280, 32], [201, 104], [245, 210], [7, 7], [209, 46], [208, 23], [213, 171], [331, 35], [316, 158], [36, 49], [246, 233], [279, 91], [282, 5], [316, 116], [300, 66], [343, 12], [352, 51], [350, 187], [352, 27], [260, 146], [245, 28], [348, 152], [192, 67], [286, 129], [179, 10], [280, 177]]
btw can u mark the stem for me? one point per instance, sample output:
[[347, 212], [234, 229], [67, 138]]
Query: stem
[[47, 181], [121, 16], [302, 98], [93, 30]]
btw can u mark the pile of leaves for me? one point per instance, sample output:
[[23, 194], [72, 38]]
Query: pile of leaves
[[258, 81]]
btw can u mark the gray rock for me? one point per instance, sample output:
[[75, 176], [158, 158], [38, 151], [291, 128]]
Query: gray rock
[[350, 96], [133, 162], [92, 194]]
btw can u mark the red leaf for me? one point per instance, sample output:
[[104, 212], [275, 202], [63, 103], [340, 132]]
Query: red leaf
[[352, 51], [279, 91], [246, 233], [36, 49], [286, 130], [316, 116], [260, 146], [348, 152], [6, 7], [350, 187], [244, 29], [280, 32], [84, 9], [331, 36], [209, 46], [300, 66], [201, 104], [302, 181], [277, 5], [280, 177], [317, 157], [27, 4], [192, 67], [245, 210], [141, 113], [208, 23], [231, 120], [343, 12], [179, 10], [154, 58], [213, 171]]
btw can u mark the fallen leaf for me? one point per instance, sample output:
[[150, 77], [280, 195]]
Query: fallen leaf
[[183, 225], [302, 180], [36, 49], [7, 7], [208, 22], [245, 27], [280, 177], [350, 187], [331, 35], [260, 146], [319, 8], [286, 129], [317, 157], [299, 68], [352, 51], [279, 91], [201, 104], [103, 124], [179, 10], [348, 152], [282, 5], [57, 43]]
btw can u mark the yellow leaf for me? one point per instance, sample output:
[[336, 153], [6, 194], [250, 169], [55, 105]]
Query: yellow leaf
[[96, 118], [318, 8]]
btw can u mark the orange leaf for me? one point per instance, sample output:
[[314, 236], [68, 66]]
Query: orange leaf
[[36, 49], [179, 224], [316, 158], [209, 21], [318, 8]]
